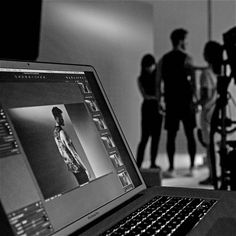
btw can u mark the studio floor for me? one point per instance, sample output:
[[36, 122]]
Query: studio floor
[[182, 161]]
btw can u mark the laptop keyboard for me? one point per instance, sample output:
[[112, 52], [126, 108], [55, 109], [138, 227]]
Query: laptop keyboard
[[163, 215]]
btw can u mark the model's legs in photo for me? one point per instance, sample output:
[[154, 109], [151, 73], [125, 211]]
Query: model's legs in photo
[[81, 177]]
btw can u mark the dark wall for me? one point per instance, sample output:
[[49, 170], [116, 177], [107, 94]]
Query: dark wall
[[20, 29]]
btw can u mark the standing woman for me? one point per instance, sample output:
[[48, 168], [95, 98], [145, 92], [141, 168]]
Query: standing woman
[[151, 120], [213, 55]]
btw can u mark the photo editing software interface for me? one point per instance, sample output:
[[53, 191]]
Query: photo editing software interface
[[62, 155]]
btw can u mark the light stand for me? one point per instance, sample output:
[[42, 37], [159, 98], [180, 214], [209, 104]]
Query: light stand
[[220, 123]]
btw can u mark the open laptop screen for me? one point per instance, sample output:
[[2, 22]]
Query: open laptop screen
[[63, 158]]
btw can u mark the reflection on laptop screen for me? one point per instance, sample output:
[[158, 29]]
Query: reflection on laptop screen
[[62, 156]]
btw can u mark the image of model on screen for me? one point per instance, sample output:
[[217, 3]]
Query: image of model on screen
[[67, 149]]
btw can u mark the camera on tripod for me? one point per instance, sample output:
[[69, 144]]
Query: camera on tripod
[[222, 124]]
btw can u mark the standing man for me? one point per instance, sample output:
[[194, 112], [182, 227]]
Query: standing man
[[67, 149], [177, 72]]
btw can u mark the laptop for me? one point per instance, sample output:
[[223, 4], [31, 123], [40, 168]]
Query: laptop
[[65, 166]]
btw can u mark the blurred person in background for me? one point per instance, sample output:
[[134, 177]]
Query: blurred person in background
[[151, 116], [213, 55], [177, 72]]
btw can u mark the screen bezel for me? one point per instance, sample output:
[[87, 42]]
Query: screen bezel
[[83, 68]]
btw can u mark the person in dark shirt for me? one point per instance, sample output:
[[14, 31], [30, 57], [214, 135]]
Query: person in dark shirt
[[151, 120], [176, 70]]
